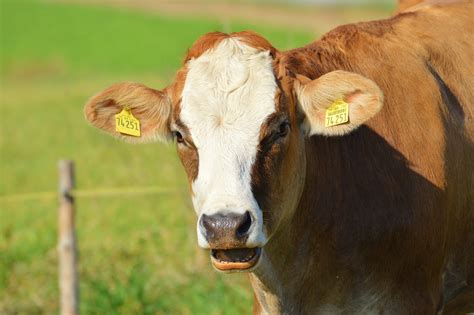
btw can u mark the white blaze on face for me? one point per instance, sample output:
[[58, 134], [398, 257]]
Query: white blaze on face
[[228, 93]]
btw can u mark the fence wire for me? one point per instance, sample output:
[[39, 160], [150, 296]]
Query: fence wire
[[90, 193]]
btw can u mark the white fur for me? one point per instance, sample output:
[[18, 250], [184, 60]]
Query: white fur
[[228, 93]]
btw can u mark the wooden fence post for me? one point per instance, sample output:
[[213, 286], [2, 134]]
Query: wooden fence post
[[68, 279]]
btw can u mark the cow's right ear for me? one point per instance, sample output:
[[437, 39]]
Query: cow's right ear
[[151, 107]]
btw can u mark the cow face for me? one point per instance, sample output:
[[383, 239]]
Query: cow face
[[239, 118]]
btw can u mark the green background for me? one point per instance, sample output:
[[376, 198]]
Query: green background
[[138, 253]]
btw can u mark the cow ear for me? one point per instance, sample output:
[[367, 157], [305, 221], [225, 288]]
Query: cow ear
[[152, 108], [363, 97]]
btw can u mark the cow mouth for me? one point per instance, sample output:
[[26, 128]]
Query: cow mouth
[[238, 259]]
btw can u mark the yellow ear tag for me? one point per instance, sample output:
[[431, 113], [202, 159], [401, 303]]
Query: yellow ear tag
[[337, 113], [127, 124]]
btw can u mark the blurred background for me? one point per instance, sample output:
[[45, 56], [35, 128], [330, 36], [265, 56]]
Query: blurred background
[[138, 253]]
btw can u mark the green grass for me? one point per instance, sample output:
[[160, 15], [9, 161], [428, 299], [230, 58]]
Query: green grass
[[82, 39], [138, 254]]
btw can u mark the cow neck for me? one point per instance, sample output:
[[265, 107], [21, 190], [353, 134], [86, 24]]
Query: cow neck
[[291, 276]]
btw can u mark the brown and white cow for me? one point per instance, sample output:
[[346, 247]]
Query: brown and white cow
[[375, 215]]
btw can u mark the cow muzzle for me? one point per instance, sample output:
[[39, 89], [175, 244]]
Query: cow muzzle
[[227, 236]]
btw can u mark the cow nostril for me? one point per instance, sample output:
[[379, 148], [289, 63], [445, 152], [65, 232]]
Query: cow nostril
[[244, 226], [207, 222]]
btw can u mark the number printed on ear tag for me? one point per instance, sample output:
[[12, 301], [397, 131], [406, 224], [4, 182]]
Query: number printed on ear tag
[[127, 124], [337, 113]]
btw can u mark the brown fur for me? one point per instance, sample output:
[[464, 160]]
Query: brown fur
[[385, 222], [211, 40], [188, 152], [380, 220], [405, 4]]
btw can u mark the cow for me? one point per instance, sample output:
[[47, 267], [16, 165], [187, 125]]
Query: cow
[[339, 175]]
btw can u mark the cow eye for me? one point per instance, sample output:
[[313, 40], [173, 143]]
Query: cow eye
[[283, 129], [179, 137]]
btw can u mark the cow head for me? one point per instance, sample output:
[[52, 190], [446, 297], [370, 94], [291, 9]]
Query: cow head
[[239, 117]]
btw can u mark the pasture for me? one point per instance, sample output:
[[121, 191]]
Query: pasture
[[138, 253]]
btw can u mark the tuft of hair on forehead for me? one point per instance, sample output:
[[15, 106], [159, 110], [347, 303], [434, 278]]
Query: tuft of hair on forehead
[[211, 40]]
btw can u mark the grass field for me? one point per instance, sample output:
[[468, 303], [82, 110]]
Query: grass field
[[138, 254]]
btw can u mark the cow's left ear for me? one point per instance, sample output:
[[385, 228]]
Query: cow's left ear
[[320, 100]]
